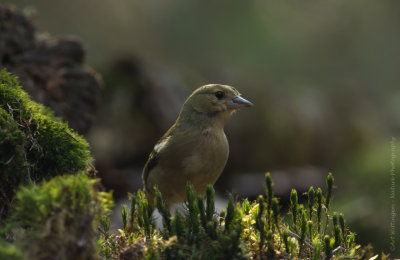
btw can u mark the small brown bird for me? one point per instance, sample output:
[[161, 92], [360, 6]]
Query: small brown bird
[[195, 149]]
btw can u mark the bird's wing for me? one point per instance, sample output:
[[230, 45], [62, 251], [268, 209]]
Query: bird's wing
[[154, 156], [150, 164]]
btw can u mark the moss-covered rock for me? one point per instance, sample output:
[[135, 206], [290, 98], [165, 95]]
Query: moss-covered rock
[[56, 219], [34, 144]]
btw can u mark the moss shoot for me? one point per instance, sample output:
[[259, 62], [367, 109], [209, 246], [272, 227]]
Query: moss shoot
[[245, 230]]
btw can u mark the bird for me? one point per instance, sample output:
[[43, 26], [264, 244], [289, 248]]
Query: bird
[[195, 148]]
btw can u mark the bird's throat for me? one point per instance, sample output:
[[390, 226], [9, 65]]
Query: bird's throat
[[203, 120]]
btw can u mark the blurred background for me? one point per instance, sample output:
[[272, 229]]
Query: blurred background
[[324, 78]]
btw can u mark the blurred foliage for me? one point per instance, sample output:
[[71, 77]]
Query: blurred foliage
[[56, 219], [246, 230], [34, 144]]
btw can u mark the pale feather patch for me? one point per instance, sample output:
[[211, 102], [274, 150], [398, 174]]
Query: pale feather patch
[[208, 131], [158, 147]]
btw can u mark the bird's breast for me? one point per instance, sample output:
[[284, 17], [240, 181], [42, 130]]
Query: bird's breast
[[198, 159], [207, 159]]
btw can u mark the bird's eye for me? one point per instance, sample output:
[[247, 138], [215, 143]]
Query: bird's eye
[[219, 94]]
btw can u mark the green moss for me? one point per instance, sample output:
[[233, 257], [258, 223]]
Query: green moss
[[34, 144], [239, 232], [13, 166], [57, 219]]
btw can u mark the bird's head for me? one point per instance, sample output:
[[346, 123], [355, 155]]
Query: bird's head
[[214, 101]]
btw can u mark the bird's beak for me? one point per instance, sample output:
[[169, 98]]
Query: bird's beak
[[239, 102]]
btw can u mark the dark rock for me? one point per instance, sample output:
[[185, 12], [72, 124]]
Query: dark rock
[[51, 70]]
